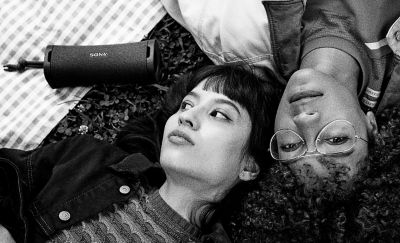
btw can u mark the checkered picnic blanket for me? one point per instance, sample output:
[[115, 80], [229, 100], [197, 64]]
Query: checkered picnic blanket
[[29, 108]]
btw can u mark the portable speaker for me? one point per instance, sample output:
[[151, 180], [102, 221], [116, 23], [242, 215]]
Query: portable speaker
[[68, 66]]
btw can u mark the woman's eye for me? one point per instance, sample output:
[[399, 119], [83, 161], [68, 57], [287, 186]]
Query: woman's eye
[[337, 140], [290, 147], [219, 115], [185, 105]]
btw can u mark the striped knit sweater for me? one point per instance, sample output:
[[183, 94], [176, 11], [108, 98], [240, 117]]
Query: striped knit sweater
[[147, 220]]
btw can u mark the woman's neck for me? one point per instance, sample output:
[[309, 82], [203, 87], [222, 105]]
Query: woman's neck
[[336, 63]]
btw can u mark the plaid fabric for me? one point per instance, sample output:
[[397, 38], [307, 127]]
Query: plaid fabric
[[29, 107]]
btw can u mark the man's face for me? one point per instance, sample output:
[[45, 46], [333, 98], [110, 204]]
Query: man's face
[[310, 101]]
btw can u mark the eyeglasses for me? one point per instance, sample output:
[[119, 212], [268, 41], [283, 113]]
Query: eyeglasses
[[337, 137]]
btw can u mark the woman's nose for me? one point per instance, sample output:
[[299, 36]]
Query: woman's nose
[[306, 119], [189, 118]]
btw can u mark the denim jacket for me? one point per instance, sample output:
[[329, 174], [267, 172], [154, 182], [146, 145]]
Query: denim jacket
[[285, 29], [54, 187]]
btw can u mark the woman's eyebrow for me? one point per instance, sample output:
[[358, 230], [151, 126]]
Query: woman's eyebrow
[[194, 94], [228, 102], [217, 100]]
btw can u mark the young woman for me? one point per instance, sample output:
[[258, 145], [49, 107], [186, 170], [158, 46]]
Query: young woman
[[84, 190]]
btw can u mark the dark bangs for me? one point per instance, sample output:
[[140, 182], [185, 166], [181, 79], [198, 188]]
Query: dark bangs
[[234, 81]]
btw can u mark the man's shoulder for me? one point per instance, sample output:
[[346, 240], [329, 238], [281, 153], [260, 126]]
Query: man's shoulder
[[367, 20]]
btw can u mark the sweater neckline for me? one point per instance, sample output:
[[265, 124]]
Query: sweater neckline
[[171, 219]]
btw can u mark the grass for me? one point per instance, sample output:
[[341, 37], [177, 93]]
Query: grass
[[274, 210]]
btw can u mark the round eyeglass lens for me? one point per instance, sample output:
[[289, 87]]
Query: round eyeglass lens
[[286, 145], [337, 137]]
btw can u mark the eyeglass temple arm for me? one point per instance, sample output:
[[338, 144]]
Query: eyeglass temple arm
[[358, 137]]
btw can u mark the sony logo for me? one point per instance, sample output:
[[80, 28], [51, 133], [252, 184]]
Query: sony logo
[[98, 54]]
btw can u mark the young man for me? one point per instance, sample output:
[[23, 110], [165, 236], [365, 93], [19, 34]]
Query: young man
[[347, 55], [349, 70]]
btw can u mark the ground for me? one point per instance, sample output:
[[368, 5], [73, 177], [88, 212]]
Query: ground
[[274, 210]]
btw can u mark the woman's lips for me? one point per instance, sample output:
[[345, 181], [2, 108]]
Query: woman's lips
[[180, 138], [308, 94]]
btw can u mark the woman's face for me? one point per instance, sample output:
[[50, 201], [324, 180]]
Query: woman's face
[[205, 141]]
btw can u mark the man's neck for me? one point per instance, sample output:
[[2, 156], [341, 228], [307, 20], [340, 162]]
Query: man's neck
[[336, 63]]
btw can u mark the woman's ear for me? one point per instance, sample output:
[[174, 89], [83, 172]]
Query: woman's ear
[[250, 170], [372, 127]]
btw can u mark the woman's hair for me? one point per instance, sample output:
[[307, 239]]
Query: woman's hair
[[260, 97]]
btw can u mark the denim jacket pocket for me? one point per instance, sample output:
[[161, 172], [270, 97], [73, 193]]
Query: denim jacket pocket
[[82, 206], [285, 27]]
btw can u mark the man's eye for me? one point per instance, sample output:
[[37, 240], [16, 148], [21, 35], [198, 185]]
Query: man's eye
[[290, 147], [185, 105], [219, 115], [336, 140]]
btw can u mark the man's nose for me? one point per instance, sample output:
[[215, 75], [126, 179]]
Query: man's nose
[[306, 119], [306, 122]]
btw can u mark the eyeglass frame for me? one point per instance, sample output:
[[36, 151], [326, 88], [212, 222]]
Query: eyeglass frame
[[316, 151]]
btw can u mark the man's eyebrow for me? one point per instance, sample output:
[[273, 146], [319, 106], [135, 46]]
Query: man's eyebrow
[[333, 157], [327, 158]]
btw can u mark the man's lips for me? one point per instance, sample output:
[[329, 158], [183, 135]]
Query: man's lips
[[304, 95], [180, 138]]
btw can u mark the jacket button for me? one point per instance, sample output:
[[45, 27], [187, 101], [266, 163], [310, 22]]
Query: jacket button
[[397, 35], [64, 216], [124, 189]]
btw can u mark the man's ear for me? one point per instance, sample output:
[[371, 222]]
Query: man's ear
[[250, 170], [372, 127]]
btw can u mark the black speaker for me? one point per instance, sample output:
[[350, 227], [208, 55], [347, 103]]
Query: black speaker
[[68, 66]]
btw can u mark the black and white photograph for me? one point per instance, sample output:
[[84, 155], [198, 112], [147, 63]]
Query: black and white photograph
[[199, 121]]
